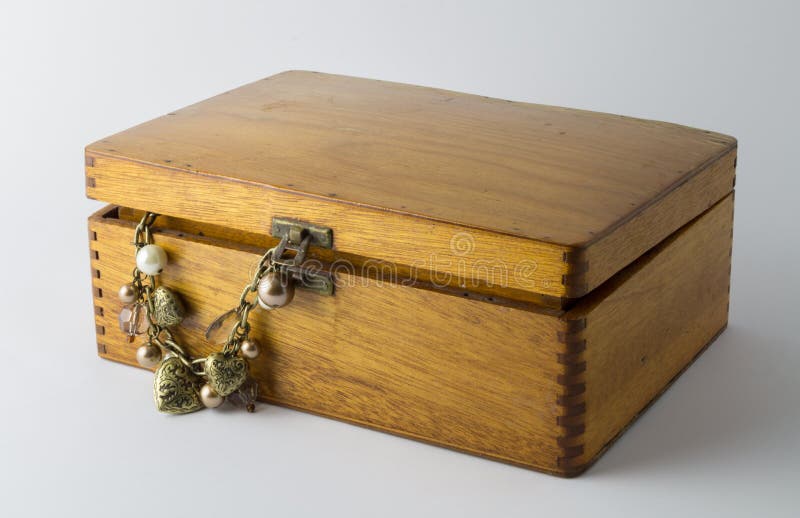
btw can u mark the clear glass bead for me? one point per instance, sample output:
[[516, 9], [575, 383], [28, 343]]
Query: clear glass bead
[[133, 319], [245, 396]]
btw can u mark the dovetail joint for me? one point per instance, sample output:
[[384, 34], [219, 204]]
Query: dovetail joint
[[99, 312], [572, 398], [575, 280]]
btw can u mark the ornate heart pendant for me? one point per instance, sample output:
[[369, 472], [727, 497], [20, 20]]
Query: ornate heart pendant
[[176, 388], [225, 374], [168, 309]]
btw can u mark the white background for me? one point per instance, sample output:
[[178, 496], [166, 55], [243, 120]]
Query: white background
[[80, 437]]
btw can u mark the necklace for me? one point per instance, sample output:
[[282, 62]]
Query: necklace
[[184, 383]]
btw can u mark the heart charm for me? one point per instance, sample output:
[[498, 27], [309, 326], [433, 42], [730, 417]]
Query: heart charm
[[176, 388], [225, 374], [168, 309]]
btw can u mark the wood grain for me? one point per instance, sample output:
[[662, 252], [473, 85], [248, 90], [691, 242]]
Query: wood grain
[[449, 370], [543, 389], [667, 214], [648, 324], [416, 244], [399, 171]]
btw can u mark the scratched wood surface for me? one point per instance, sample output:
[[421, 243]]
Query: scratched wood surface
[[424, 178], [543, 389]]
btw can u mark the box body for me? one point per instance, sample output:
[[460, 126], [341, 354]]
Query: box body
[[543, 388]]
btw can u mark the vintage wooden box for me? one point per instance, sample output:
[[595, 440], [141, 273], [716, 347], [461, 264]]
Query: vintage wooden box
[[511, 280]]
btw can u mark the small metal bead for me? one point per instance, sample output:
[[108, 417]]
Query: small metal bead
[[209, 397], [250, 349], [275, 290], [148, 355], [128, 293]]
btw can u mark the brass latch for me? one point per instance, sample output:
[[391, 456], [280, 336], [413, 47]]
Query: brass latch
[[296, 236]]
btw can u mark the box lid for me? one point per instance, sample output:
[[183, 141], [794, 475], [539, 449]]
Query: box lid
[[528, 201]]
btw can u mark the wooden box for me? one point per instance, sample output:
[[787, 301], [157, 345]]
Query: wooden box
[[511, 280]]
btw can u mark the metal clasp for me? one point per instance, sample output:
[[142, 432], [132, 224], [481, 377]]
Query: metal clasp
[[290, 254]]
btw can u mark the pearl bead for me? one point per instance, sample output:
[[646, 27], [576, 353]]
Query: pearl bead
[[151, 259], [275, 290], [128, 294], [264, 306], [209, 397], [250, 349], [148, 355]]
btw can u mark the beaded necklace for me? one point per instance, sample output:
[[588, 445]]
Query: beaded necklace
[[184, 383]]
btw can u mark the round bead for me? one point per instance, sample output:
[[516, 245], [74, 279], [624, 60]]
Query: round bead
[[128, 294], [275, 290], [133, 319], [151, 259], [209, 397], [148, 355], [264, 306], [250, 349]]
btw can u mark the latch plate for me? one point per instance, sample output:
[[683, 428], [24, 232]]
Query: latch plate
[[297, 236], [293, 228]]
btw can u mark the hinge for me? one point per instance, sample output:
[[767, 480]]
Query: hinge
[[296, 236]]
